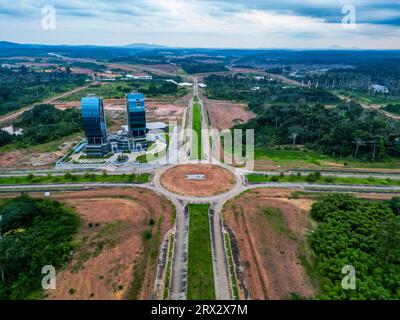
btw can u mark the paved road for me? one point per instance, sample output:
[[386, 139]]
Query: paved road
[[178, 288]]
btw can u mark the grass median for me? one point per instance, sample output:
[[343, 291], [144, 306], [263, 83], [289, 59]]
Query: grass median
[[318, 178], [71, 178], [200, 267], [197, 152]]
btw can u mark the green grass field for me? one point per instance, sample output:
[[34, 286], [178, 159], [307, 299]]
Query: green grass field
[[307, 158], [259, 178], [197, 152], [200, 268], [71, 178]]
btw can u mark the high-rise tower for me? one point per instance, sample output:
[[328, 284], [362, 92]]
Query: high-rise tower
[[136, 115], [94, 126]]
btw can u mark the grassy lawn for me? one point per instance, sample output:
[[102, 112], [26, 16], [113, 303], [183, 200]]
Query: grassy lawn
[[259, 178], [200, 267], [70, 178], [197, 152], [292, 158]]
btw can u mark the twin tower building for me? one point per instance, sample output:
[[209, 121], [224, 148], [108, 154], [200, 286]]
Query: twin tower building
[[132, 137]]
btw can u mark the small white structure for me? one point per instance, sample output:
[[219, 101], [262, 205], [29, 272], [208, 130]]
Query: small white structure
[[153, 126], [195, 177], [12, 130], [47, 194], [185, 84], [139, 77], [380, 89], [202, 85], [172, 81]]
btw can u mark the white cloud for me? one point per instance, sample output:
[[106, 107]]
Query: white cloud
[[198, 23]]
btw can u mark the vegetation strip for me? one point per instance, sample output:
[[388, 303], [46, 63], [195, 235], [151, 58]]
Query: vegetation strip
[[200, 266], [231, 267], [169, 265], [197, 152], [71, 178], [316, 177]]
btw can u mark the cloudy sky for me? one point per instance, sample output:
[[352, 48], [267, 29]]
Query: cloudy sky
[[205, 23]]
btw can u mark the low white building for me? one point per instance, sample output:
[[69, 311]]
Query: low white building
[[13, 131], [380, 89], [185, 84]]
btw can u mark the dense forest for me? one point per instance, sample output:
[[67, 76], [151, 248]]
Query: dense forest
[[193, 67], [393, 108], [35, 233], [259, 92], [298, 116], [362, 234], [42, 124], [21, 87]]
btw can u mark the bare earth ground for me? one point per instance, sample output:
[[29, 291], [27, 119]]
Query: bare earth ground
[[110, 240], [33, 158], [225, 114], [269, 248], [164, 109], [218, 180]]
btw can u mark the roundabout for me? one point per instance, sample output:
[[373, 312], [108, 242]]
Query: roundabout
[[197, 180]]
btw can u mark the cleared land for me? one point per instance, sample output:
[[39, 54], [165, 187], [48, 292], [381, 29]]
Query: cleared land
[[271, 232], [226, 114], [117, 245], [41, 156], [200, 268], [217, 180]]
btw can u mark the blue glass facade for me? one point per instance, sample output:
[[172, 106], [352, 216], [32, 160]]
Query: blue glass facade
[[136, 115], [94, 120]]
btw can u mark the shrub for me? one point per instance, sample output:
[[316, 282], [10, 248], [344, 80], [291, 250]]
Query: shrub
[[311, 178], [275, 178]]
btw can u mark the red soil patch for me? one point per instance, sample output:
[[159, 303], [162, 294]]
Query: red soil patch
[[113, 222], [270, 244], [225, 114], [217, 180]]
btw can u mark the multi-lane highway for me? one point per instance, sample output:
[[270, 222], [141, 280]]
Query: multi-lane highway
[[178, 288]]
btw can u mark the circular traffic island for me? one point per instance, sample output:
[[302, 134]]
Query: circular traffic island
[[197, 180]]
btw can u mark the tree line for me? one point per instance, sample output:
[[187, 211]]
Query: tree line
[[43, 123], [362, 234], [35, 233]]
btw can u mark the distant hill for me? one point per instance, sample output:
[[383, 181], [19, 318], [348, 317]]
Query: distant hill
[[144, 46]]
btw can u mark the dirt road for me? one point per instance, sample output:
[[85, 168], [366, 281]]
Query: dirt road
[[13, 115]]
